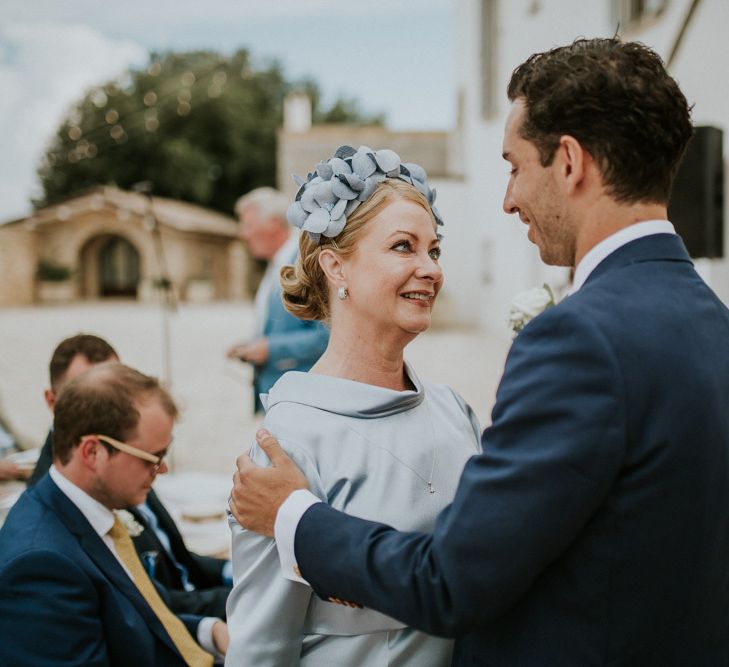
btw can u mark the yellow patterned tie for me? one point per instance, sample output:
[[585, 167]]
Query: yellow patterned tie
[[193, 655]]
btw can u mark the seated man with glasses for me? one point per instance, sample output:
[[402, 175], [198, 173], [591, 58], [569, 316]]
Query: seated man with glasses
[[195, 584], [72, 588]]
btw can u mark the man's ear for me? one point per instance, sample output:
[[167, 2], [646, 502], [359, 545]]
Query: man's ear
[[333, 267], [88, 449], [571, 161], [50, 397]]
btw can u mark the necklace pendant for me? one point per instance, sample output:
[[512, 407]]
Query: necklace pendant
[[430, 488]]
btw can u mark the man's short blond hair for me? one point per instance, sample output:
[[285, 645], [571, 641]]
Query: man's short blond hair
[[271, 203]]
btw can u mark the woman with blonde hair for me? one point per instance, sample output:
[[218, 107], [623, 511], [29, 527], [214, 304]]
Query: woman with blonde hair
[[369, 268]]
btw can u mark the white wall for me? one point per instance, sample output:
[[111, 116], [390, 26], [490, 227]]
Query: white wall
[[509, 263]]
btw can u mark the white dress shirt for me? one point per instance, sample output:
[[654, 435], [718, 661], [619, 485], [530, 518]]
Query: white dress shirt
[[294, 507], [609, 245], [102, 519]]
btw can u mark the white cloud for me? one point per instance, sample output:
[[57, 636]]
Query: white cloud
[[44, 68]]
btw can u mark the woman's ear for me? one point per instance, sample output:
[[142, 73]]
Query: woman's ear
[[333, 267]]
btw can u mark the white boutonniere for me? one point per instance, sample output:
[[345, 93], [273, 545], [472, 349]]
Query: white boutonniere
[[134, 528], [527, 305]]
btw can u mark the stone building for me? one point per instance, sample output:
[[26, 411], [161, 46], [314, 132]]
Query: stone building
[[112, 243]]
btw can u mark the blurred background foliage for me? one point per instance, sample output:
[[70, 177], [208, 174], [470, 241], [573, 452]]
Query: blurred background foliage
[[200, 126]]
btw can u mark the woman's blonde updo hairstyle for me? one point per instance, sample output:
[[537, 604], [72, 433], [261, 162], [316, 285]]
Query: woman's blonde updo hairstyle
[[305, 287]]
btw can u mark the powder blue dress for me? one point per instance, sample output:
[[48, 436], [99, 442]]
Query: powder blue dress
[[389, 456]]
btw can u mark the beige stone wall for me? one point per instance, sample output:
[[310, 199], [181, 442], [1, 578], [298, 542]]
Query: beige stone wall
[[18, 260], [298, 153]]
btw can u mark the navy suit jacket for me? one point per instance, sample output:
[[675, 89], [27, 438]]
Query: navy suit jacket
[[205, 572], [293, 345], [594, 527], [44, 462], [210, 594], [65, 599]]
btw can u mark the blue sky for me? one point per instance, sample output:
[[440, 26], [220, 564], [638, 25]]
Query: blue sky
[[394, 56]]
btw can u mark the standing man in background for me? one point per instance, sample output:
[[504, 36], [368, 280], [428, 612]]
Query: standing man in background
[[280, 342]]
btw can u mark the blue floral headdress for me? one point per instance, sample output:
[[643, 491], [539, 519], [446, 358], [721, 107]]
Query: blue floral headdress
[[338, 186]]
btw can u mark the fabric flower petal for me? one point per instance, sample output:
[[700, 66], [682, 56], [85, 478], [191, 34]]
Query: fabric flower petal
[[296, 215], [355, 182], [317, 222], [324, 170], [344, 152], [422, 188], [335, 227], [300, 192], [323, 193], [416, 171], [338, 209], [387, 160], [339, 166], [363, 164], [370, 185], [298, 180], [307, 199], [342, 190], [436, 215]]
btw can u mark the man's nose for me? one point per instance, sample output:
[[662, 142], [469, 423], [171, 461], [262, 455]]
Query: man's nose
[[509, 204]]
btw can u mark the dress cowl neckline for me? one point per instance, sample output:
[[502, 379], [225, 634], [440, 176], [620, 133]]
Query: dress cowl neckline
[[344, 397]]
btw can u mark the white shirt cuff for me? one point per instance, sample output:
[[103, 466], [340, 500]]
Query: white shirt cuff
[[205, 637], [284, 530]]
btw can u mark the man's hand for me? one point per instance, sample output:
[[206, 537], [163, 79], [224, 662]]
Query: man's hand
[[220, 637], [11, 470], [255, 352], [259, 492]]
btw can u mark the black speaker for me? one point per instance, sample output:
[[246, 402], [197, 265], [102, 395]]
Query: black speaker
[[696, 208]]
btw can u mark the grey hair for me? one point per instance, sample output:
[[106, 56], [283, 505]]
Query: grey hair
[[271, 203]]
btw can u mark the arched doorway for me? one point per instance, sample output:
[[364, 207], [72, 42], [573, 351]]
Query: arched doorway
[[118, 267]]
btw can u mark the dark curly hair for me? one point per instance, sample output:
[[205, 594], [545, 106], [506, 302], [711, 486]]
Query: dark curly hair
[[617, 99]]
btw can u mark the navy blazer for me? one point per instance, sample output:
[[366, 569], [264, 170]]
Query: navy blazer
[[205, 572], [594, 528], [64, 597]]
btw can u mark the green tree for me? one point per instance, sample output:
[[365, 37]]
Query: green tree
[[199, 125]]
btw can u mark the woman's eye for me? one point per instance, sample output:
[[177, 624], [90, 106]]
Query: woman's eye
[[434, 253], [402, 246]]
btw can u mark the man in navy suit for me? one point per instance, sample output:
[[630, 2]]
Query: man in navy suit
[[194, 584], [593, 529], [67, 594], [280, 342]]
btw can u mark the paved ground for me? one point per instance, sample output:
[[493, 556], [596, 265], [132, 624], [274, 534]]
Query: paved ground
[[213, 392]]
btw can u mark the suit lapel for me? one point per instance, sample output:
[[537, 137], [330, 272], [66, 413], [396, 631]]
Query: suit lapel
[[99, 553], [167, 524]]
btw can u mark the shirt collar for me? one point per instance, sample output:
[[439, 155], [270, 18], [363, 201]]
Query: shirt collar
[[100, 517], [609, 245]]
